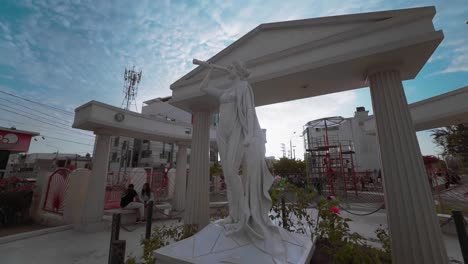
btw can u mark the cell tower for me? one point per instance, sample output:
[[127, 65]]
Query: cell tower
[[132, 79]]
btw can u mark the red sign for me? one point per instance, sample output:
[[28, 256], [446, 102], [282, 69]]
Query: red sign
[[14, 141]]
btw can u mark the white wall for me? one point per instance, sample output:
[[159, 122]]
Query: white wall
[[365, 145]]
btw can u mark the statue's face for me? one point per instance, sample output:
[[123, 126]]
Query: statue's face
[[232, 74]]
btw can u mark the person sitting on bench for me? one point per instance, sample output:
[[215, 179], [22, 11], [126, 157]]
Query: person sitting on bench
[[128, 202]]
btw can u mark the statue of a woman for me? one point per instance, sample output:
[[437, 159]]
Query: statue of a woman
[[241, 141]]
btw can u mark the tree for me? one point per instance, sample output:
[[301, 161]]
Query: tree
[[453, 140], [285, 167]]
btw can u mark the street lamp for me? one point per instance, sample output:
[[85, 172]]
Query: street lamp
[[56, 153], [291, 146]]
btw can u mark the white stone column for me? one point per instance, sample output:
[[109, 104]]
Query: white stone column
[[181, 177], [93, 208], [197, 200], [415, 232]]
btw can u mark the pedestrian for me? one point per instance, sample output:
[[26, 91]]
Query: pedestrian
[[130, 200]]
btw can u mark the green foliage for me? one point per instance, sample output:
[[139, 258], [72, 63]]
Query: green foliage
[[131, 260], [384, 238], [160, 237], [342, 246], [285, 167], [292, 215], [216, 170], [221, 213], [453, 140]]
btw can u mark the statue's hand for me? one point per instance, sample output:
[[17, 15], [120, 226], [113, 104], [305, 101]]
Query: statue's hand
[[247, 141]]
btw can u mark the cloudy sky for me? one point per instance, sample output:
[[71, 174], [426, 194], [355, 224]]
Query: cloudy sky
[[65, 53]]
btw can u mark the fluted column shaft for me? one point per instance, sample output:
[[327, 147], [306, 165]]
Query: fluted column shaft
[[414, 228], [197, 200], [181, 176], [94, 202]]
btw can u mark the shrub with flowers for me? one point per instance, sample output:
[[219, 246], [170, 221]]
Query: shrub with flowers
[[15, 184], [15, 193]]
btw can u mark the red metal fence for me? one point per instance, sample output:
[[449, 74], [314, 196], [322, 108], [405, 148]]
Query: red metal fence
[[57, 187], [58, 183], [117, 184]]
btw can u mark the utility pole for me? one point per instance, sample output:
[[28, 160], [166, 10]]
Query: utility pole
[[131, 80], [283, 149], [290, 145], [290, 149]]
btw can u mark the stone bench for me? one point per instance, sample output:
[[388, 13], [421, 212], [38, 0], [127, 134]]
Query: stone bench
[[162, 210], [448, 226], [127, 216], [217, 207]]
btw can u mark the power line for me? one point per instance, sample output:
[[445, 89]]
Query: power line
[[44, 122], [35, 110], [66, 140], [38, 116], [71, 141], [46, 129], [41, 104]]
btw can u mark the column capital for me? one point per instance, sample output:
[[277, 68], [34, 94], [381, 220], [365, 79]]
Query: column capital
[[103, 134], [382, 69], [203, 109], [182, 144]]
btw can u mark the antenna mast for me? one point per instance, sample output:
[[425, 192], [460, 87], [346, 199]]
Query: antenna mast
[[132, 79]]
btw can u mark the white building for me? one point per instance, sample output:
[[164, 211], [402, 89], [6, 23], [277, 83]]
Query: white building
[[127, 152], [351, 134], [29, 165]]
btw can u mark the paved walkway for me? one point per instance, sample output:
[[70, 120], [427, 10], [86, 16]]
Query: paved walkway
[[366, 225], [68, 247], [79, 248]]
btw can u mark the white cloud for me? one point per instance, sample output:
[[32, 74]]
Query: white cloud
[[460, 61], [75, 52]]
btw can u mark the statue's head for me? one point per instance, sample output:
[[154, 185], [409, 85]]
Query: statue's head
[[238, 70]]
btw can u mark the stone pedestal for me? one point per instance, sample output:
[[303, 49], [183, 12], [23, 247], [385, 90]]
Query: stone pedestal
[[210, 246], [415, 232], [181, 177], [93, 208], [197, 200]]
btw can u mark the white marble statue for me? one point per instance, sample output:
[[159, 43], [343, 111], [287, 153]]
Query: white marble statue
[[241, 141]]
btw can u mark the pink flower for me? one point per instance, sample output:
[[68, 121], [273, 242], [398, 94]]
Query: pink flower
[[277, 179], [335, 209]]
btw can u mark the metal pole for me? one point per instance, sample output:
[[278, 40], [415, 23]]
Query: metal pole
[[283, 211], [461, 232], [149, 218], [115, 232], [290, 147], [118, 252]]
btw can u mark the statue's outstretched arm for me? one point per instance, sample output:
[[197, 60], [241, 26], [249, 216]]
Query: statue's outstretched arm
[[209, 89]]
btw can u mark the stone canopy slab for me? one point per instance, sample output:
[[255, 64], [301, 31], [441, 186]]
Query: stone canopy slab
[[304, 58], [103, 119], [438, 111]]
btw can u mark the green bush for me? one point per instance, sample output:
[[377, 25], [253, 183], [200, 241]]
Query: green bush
[[292, 215], [160, 237], [335, 239]]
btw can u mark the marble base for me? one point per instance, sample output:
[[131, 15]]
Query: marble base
[[210, 245]]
